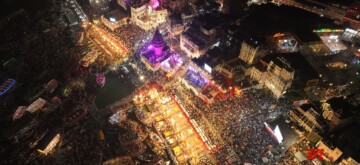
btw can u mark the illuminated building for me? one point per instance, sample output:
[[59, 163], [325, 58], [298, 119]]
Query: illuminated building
[[330, 153], [89, 58], [279, 76], [309, 117], [186, 140], [196, 41], [251, 51], [258, 73], [196, 78], [278, 72], [232, 69], [283, 42], [110, 44], [47, 144], [114, 19], [350, 35], [157, 54], [148, 15]]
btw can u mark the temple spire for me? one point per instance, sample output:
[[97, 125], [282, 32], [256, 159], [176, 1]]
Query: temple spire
[[158, 42]]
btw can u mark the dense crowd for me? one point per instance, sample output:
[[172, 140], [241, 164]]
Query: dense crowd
[[239, 121], [131, 36]]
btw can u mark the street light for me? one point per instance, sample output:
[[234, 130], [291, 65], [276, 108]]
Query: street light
[[142, 77]]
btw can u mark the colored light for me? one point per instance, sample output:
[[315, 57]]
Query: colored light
[[112, 20], [7, 88]]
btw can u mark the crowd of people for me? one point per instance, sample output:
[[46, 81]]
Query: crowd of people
[[239, 121], [131, 36], [235, 125]]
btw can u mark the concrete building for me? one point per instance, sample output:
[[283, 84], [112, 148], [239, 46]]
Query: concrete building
[[308, 116], [279, 76], [195, 41], [252, 51], [348, 161], [258, 73], [148, 15], [114, 19], [284, 71], [157, 54], [330, 153]]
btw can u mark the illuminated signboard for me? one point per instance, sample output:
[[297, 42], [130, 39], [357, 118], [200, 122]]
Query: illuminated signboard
[[278, 134], [327, 30], [207, 68], [278, 34]]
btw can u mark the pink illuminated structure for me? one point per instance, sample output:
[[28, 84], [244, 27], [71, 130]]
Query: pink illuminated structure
[[100, 79], [154, 4]]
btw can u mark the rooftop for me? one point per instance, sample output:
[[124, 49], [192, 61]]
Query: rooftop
[[297, 62], [254, 42], [261, 67], [316, 108], [196, 36], [116, 14]]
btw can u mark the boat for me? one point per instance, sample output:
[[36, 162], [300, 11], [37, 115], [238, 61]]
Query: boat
[[20, 111], [8, 84], [74, 116]]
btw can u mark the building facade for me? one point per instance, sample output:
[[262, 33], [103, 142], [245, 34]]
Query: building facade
[[251, 52], [330, 154], [279, 77], [148, 15], [114, 19], [194, 42], [307, 117]]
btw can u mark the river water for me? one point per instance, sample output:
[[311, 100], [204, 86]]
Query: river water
[[115, 88]]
